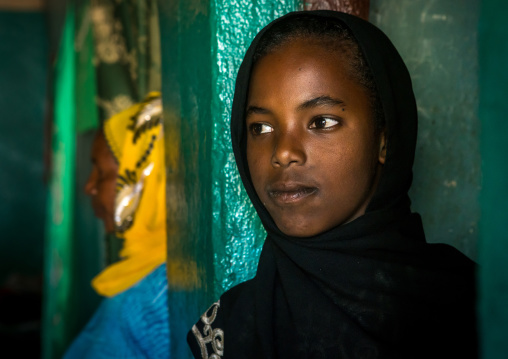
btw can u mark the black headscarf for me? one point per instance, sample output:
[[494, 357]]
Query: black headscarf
[[371, 288]]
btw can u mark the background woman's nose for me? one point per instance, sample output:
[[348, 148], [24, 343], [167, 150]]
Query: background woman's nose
[[91, 184]]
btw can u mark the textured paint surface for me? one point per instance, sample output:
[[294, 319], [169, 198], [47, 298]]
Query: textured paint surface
[[214, 237], [493, 248], [237, 232], [186, 89], [438, 41]]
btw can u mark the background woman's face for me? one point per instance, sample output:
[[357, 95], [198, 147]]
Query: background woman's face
[[101, 184], [312, 151]]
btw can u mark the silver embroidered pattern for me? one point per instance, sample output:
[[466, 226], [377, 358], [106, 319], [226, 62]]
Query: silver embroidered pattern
[[127, 200], [151, 110], [148, 116], [213, 336]]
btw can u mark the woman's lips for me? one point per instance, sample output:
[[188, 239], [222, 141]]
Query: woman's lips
[[287, 193]]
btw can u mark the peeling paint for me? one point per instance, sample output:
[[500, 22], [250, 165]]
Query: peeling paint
[[450, 183]]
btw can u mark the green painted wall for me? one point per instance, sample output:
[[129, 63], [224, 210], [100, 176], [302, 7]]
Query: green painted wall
[[23, 88], [493, 244], [438, 42]]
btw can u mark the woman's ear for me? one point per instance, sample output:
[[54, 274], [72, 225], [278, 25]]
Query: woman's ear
[[382, 148]]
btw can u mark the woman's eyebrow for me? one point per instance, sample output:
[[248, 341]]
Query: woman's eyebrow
[[256, 110], [320, 101]]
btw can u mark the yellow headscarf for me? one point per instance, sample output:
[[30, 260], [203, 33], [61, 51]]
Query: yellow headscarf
[[136, 139]]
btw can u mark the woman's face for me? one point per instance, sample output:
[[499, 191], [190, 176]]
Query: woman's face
[[101, 184], [313, 154]]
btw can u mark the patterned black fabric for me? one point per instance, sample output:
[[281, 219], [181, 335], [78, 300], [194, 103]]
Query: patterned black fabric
[[371, 288]]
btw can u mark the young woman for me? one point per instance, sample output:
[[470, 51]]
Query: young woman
[[324, 130]]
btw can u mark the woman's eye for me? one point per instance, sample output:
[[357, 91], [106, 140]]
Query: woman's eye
[[324, 122], [260, 128]]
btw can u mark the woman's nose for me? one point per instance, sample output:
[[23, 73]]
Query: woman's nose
[[288, 150], [91, 183]]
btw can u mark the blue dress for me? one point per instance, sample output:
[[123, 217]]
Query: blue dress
[[132, 324]]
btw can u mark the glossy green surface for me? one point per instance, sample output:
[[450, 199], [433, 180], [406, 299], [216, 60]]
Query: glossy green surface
[[57, 306], [237, 232]]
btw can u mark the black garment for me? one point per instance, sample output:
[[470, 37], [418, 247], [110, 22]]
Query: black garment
[[372, 288]]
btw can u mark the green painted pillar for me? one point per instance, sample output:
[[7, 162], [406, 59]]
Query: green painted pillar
[[438, 42], [58, 291], [214, 236], [493, 244]]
